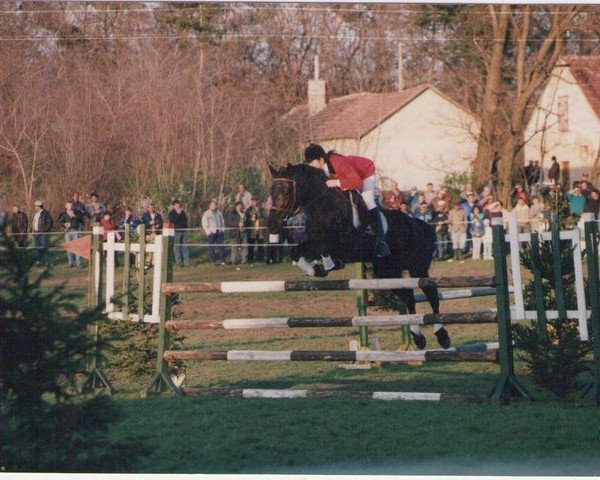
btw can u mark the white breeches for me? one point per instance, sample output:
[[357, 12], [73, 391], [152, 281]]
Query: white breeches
[[368, 191]]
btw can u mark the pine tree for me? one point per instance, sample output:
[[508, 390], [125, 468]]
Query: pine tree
[[43, 343], [557, 362]]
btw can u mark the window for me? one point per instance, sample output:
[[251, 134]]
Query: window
[[562, 111]]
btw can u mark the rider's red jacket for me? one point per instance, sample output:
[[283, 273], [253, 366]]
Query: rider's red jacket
[[351, 171]]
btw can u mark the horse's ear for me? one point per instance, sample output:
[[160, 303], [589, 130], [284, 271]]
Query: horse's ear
[[273, 171]]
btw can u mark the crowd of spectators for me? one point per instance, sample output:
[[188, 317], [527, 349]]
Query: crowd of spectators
[[238, 237], [462, 220], [237, 234]]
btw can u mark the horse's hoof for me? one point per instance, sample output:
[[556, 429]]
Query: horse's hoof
[[420, 340], [443, 338], [320, 270]]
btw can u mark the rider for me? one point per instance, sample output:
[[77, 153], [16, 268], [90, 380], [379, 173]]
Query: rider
[[351, 173]]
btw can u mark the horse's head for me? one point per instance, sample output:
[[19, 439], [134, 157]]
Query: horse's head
[[283, 197], [293, 187]]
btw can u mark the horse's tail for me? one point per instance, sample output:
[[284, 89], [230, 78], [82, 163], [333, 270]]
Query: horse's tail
[[432, 239]]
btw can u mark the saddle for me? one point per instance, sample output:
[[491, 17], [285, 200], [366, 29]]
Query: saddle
[[360, 213]]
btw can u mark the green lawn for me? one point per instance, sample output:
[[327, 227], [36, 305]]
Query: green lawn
[[343, 435]]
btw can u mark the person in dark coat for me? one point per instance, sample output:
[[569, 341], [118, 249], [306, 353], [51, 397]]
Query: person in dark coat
[[18, 224], [554, 172], [179, 220]]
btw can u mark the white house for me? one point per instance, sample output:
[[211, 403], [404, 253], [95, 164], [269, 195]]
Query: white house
[[566, 120], [415, 136]]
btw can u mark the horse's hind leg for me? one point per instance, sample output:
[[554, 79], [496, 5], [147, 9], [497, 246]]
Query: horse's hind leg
[[431, 292]]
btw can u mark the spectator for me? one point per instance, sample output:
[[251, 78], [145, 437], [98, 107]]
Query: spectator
[[213, 224], [243, 196], [42, 225], [467, 189], [477, 233], [274, 252], [585, 177], [576, 201], [487, 239], [79, 209], [255, 221], [95, 210], [429, 193], [458, 229], [412, 201], [179, 219], [416, 206], [519, 192], [554, 171], [130, 220], [424, 213], [536, 215], [536, 173], [468, 207], [440, 220], [69, 220], [393, 199], [445, 197], [107, 224], [236, 220], [18, 223], [522, 214], [153, 222], [592, 202]]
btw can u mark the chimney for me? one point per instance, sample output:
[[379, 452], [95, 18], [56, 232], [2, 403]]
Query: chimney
[[316, 92], [400, 68]]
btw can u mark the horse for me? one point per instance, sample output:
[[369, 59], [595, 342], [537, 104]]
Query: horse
[[332, 230]]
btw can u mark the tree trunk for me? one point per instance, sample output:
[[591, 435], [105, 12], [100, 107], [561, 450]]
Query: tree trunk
[[485, 147]]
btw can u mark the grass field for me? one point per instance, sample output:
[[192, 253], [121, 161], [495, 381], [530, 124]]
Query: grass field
[[343, 435]]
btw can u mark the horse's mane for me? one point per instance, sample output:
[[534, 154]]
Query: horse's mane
[[312, 175]]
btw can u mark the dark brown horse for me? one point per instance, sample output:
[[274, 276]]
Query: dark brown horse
[[330, 231]]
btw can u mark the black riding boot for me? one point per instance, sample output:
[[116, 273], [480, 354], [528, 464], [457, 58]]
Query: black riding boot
[[381, 247]]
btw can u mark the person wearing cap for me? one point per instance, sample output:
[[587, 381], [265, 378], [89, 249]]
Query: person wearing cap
[[178, 218], [42, 225], [95, 210], [255, 219], [351, 173], [213, 224]]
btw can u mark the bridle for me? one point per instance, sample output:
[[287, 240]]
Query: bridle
[[290, 207]]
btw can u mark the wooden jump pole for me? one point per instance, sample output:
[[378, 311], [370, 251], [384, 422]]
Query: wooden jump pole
[[162, 378], [325, 285], [484, 316], [332, 356], [286, 394], [507, 386]]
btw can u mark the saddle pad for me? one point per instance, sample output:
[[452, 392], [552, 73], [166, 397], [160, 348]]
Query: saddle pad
[[356, 217]]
